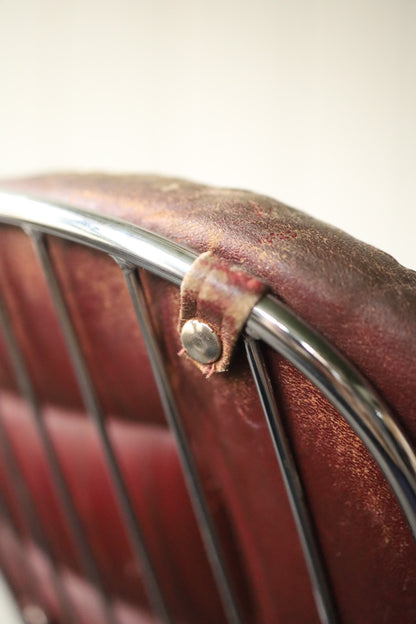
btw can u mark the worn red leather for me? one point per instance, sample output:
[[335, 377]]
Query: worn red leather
[[355, 295]]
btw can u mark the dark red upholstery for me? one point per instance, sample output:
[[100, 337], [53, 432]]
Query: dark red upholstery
[[358, 297]]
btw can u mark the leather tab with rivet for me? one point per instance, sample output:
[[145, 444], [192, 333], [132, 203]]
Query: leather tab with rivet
[[216, 300]]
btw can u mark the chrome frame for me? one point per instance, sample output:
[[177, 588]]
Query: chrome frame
[[271, 322], [76, 530]]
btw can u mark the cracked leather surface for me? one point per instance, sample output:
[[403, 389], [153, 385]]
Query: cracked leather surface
[[356, 296]]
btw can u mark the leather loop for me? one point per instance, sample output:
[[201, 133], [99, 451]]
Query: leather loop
[[220, 295]]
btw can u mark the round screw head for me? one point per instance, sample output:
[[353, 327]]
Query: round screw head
[[200, 342]]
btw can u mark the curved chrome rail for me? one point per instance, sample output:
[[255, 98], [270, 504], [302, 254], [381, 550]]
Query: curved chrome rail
[[270, 321], [119, 239], [352, 395]]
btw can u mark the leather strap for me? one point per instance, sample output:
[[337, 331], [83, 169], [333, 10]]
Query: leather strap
[[221, 295]]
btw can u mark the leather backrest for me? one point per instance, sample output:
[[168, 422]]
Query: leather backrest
[[356, 296]]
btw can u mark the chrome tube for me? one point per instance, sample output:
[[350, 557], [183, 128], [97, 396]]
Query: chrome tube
[[209, 537], [270, 321], [273, 322], [293, 485], [61, 490], [113, 236], [22, 494], [93, 407]]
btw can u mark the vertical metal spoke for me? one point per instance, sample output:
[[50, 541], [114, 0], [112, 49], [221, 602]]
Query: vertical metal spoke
[[292, 482], [271, 322], [210, 539], [62, 492], [26, 503], [92, 405]]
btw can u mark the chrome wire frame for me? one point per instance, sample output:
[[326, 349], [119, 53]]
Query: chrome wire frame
[[76, 530], [200, 506], [93, 407], [271, 322], [23, 497], [293, 485]]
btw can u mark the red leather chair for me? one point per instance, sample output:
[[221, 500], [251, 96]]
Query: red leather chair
[[135, 489]]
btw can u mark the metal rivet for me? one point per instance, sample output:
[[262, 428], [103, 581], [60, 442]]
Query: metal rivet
[[32, 614], [200, 342]]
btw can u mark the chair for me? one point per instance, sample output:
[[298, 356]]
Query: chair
[[135, 489]]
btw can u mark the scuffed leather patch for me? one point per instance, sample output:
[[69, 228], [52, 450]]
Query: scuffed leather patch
[[220, 294]]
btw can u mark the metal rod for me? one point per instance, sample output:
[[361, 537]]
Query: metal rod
[[92, 405], [113, 236], [39, 535], [270, 321], [62, 492], [355, 399], [201, 509], [293, 485]]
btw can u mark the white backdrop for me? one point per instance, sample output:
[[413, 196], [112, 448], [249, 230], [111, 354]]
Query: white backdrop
[[312, 101]]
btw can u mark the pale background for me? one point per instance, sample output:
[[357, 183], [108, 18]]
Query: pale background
[[311, 101]]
